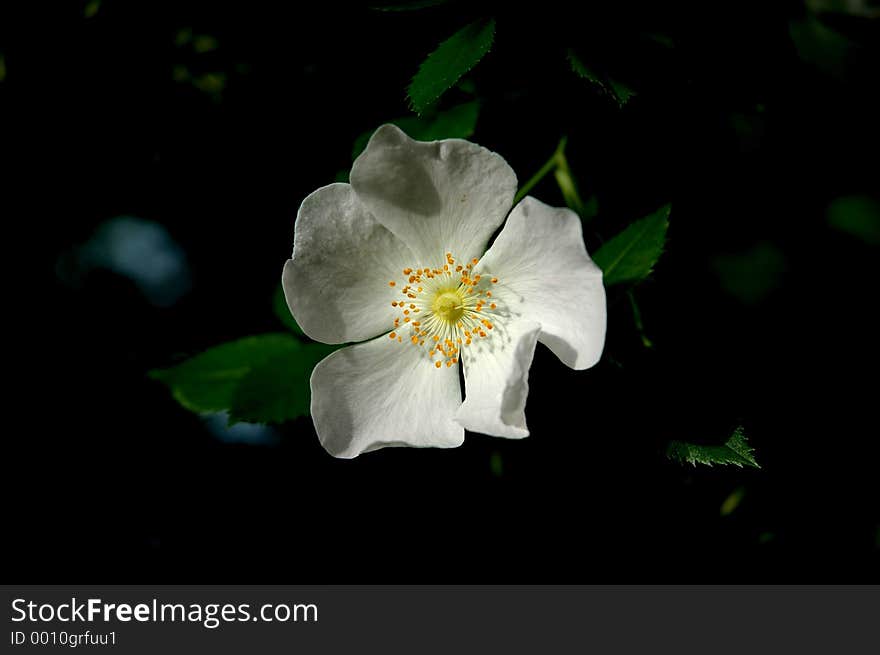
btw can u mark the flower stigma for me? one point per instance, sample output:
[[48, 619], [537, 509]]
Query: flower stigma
[[444, 309]]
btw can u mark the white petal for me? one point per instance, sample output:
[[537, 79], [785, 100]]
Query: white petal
[[336, 285], [384, 393], [496, 374], [545, 275], [437, 197]]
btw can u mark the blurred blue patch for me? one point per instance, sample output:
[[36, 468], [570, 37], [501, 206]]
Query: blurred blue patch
[[251, 434], [138, 249]]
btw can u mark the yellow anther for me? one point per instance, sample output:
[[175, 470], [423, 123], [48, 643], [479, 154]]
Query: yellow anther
[[451, 308], [494, 280], [392, 283], [394, 303], [393, 335]]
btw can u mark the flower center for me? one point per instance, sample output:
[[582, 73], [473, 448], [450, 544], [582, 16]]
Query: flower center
[[444, 309], [448, 306]]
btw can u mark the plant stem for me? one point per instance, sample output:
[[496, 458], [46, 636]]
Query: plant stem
[[548, 166], [567, 186], [637, 319]]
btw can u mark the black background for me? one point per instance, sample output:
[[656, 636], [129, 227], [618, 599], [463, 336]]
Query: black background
[[749, 140]]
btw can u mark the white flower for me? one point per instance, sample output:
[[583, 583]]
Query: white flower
[[399, 255]]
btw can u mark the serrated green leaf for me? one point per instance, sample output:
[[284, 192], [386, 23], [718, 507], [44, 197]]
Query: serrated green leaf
[[612, 87], [630, 256], [622, 92], [457, 122], [582, 70], [452, 59], [736, 450], [277, 390], [208, 381], [282, 311]]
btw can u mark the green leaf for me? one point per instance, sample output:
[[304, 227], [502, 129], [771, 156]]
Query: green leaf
[[452, 59], [208, 381], [277, 390], [613, 88], [282, 311], [751, 275], [630, 256], [735, 450], [858, 216], [91, 8], [622, 92], [457, 122], [260, 379], [582, 70]]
